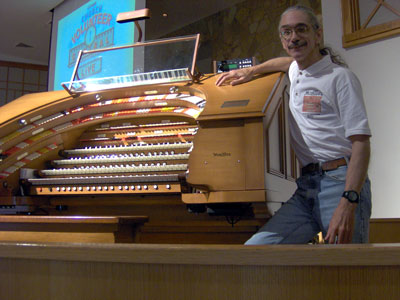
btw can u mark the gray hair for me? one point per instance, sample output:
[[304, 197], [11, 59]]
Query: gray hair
[[315, 24], [308, 11]]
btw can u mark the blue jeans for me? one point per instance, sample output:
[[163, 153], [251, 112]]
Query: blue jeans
[[310, 210]]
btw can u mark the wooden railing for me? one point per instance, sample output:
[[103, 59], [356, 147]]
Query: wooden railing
[[143, 271]]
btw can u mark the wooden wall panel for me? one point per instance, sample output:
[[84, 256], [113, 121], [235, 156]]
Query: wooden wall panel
[[384, 230]]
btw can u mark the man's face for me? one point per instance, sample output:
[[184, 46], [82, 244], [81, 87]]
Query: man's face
[[299, 39]]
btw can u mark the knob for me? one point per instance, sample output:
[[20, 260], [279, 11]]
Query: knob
[[23, 122]]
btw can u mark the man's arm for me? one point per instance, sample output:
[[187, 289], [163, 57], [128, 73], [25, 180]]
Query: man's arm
[[279, 64], [342, 222]]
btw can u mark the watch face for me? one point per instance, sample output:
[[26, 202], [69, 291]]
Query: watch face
[[352, 196]]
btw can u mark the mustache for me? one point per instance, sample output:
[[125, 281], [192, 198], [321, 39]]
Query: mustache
[[297, 44]]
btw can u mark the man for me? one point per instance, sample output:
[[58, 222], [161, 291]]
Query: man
[[329, 133]]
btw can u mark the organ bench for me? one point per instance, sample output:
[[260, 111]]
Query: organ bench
[[83, 229]]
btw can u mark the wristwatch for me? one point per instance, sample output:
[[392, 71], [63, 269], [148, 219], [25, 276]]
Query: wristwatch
[[352, 196]]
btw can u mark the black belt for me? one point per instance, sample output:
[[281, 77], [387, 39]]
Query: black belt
[[325, 166]]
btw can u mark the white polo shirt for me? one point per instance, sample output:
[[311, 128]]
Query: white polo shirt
[[327, 107]]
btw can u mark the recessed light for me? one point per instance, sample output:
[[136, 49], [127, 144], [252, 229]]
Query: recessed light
[[23, 45]]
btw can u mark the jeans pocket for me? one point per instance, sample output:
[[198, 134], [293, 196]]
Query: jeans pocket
[[338, 174]]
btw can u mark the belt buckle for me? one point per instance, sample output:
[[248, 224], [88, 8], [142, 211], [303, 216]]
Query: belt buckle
[[312, 167], [318, 166]]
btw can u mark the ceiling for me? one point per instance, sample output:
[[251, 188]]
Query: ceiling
[[27, 23]]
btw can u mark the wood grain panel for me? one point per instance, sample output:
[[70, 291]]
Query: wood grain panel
[[384, 230], [202, 272]]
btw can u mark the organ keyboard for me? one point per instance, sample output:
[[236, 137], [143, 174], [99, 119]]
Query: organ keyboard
[[129, 148], [102, 169], [121, 158], [115, 168]]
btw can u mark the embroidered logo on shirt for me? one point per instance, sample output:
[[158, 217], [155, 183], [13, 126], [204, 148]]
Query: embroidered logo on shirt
[[312, 101]]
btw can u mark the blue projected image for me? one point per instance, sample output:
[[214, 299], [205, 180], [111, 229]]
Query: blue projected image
[[92, 26]]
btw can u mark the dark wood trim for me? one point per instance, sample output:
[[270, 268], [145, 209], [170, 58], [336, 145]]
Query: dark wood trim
[[11, 64]]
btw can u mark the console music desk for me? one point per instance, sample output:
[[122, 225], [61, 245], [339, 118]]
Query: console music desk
[[144, 271]]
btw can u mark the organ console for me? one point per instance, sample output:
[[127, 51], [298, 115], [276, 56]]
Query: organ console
[[156, 143]]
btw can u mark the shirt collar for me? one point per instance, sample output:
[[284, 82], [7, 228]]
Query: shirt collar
[[319, 65]]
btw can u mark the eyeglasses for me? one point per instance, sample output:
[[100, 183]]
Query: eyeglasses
[[301, 30]]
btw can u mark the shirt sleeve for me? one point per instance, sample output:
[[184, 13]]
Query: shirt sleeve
[[292, 69], [351, 105]]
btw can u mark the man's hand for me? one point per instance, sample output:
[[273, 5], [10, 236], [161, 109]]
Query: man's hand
[[235, 77], [278, 64], [341, 225]]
